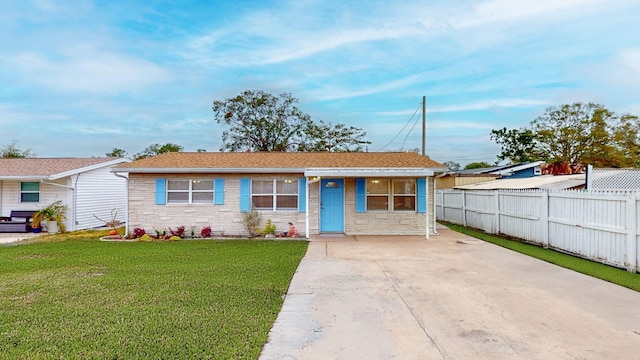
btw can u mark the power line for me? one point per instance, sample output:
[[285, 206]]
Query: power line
[[409, 132], [405, 125]]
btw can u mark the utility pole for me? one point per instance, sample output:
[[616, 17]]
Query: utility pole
[[424, 125]]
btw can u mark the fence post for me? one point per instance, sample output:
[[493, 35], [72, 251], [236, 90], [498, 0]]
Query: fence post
[[497, 206], [632, 238], [544, 219], [464, 210]]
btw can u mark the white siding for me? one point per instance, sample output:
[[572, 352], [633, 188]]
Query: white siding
[[49, 193], [98, 192]]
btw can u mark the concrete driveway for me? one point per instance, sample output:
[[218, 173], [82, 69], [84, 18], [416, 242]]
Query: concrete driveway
[[450, 297], [6, 238]]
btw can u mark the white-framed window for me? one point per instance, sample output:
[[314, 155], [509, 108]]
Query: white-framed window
[[391, 194], [274, 194], [30, 191], [404, 195], [191, 191]]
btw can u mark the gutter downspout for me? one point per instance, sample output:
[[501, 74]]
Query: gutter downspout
[[309, 182], [426, 206], [74, 200], [126, 204], [435, 232], [306, 209]]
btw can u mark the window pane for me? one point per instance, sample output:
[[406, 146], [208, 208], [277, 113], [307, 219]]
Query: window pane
[[377, 186], [287, 202], [30, 197], [29, 186], [287, 186], [262, 202], [178, 197], [404, 203], [178, 184], [262, 186], [404, 187], [202, 185], [377, 202], [202, 197]]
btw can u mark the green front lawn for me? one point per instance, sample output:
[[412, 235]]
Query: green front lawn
[[83, 298]]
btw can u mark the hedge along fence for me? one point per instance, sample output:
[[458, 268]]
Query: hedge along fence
[[599, 226]]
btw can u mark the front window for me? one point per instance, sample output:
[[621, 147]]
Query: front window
[[30, 192], [399, 193], [274, 194], [190, 191], [377, 194], [404, 195]]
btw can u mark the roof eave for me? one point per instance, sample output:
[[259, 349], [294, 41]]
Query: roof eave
[[348, 172], [87, 168], [173, 170], [25, 178]]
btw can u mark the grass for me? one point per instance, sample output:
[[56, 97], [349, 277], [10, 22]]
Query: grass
[[74, 297], [591, 268]]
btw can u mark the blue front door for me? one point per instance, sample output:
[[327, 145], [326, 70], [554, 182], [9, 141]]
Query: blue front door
[[332, 205]]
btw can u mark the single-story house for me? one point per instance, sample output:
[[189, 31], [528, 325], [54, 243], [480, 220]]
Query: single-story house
[[542, 182], [452, 179], [353, 193], [85, 185]]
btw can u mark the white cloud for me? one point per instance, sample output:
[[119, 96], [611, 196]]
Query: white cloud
[[90, 70], [473, 106], [494, 11]]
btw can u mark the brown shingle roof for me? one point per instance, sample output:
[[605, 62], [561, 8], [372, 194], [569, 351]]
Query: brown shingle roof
[[45, 167], [280, 160]]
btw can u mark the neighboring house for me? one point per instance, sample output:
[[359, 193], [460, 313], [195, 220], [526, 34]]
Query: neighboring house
[[353, 193], [543, 182], [85, 185], [452, 179]]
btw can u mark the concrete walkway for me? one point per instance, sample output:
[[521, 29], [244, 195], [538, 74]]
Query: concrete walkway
[[450, 297], [6, 238]]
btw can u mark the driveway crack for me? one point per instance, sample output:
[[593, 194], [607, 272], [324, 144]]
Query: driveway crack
[[424, 330]]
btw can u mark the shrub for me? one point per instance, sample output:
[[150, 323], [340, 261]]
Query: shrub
[[138, 232], [269, 228], [174, 238], [206, 232], [251, 221], [145, 237], [179, 232]]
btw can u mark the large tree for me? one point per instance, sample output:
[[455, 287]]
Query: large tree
[[13, 151], [333, 138], [584, 133], [259, 121], [518, 145], [157, 149], [116, 152], [477, 165], [452, 165]]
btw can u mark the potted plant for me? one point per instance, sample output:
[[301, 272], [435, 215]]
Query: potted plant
[[53, 214]]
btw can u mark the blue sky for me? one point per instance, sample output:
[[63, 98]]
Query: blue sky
[[78, 78]]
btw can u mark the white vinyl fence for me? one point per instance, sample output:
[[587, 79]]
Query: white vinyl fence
[[600, 226]]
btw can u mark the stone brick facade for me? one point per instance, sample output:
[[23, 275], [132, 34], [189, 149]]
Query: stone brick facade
[[227, 218]]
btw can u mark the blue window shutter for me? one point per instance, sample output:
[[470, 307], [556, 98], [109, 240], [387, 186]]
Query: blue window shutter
[[361, 195], [245, 194], [218, 188], [161, 191], [422, 195], [302, 195]]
